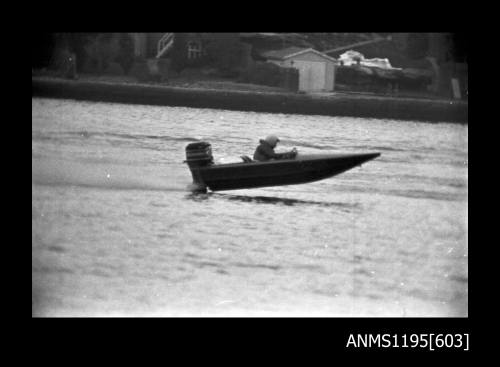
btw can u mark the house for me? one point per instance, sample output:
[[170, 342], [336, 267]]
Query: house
[[192, 49], [158, 45], [316, 69]]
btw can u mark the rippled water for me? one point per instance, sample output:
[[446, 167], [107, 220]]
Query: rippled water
[[115, 230]]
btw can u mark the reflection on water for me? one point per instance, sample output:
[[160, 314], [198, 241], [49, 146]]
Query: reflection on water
[[116, 231]]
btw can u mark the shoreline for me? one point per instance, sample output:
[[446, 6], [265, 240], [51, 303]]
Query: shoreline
[[330, 104]]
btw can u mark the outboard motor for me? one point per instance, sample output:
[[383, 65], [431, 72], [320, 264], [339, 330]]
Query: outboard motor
[[198, 155]]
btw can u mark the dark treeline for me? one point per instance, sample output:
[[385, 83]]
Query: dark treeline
[[45, 46], [91, 50]]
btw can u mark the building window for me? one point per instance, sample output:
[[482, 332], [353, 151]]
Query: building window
[[194, 50]]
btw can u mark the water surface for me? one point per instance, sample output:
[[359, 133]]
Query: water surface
[[115, 230]]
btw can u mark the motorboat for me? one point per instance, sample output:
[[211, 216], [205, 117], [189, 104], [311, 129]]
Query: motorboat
[[248, 173]]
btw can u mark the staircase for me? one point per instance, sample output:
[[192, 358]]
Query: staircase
[[164, 44]]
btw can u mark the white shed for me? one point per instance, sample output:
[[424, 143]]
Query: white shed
[[316, 69]]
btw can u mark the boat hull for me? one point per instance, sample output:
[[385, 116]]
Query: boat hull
[[302, 169]]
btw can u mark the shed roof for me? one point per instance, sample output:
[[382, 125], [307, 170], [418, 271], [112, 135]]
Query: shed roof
[[286, 53]]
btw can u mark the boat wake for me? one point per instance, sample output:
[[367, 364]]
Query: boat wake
[[84, 134], [104, 176]]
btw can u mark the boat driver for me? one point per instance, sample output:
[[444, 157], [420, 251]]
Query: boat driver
[[265, 150]]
